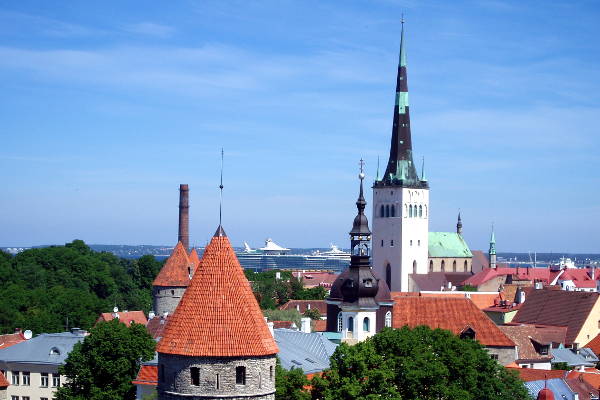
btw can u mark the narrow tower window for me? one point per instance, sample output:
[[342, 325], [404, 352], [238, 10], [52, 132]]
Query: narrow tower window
[[340, 322], [414, 266], [219, 381], [382, 211], [366, 324], [393, 212], [454, 266], [240, 375], [466, 265], [430, 265], [195, 375], [271, 372], [387, 211], [388, 276], [388, 319], [443, 265], [410, 211], [350, 324], [420, 211]]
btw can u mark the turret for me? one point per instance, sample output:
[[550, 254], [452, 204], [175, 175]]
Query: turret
[[459, 225], [492, 251]]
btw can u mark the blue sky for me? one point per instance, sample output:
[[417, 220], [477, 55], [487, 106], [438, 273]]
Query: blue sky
[[106, 107]]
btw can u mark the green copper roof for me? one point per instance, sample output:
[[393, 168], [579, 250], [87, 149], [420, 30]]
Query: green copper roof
[[402, 60], [492, 243], [448, 244]]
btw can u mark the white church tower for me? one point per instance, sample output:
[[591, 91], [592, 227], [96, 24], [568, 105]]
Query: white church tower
[[400, 201]]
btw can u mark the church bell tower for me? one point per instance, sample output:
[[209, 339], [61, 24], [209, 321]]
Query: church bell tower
[[400, 200]]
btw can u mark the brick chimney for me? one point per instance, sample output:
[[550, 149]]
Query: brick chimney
[[184, 216]]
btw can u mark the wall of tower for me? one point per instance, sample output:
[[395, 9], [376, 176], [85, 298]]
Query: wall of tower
[[166, 298], [175, 379], [446, 264], [400, 237]]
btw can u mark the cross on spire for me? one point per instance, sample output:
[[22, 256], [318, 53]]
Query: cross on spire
[[361, 163]]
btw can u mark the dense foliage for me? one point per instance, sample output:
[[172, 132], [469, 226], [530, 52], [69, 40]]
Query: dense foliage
[[290, 385], [47, 289], [102, 366], [272, 292], [416, 364]]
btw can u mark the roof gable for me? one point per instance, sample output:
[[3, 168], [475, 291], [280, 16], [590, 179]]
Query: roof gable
[[177, 269], [218, 315], [453, 314], [558, 308], [448, 244]]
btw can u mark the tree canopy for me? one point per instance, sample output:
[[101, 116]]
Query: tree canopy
[[272, 292], [416, 364], [102, 366], [43, 288]]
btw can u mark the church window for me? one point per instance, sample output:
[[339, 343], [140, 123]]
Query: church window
[[392, 243], [410, 211], [420, 211], [454, 266], [339, 322], [172, 292], [195, 375], [382, 211], [393, 211], [425, 211], [240, 375], [388, 319], [411, 242], [350, 324], [381, 242], [388, 276], [414, 266], [466, 265], [387, 211], [418, 242], [443, 265], [405, 210], [218, 381], [366, 324], [430, 265]]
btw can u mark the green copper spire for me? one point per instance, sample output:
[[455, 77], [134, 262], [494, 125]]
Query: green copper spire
[[492, 242]]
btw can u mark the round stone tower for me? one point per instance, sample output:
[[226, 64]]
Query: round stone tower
[[172, 281], [217, 344]]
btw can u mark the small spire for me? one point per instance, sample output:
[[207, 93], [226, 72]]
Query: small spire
[[459, 224], [377, 175], [423, 178], [220, 231]]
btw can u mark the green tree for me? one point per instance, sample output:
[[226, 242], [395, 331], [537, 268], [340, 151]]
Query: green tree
[[416, 364], [290, 385], [313, 314], [102, 366], [562, 366]]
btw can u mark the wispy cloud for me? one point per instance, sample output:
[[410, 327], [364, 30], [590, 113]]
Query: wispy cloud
[[151, 29]]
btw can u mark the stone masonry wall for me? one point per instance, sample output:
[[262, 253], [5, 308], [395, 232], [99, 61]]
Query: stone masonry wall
[[506, 355], [166, 298], [175, 380]]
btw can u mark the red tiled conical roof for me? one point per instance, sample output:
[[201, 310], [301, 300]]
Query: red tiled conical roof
[[194, 258], [175, 272], [218, 315]]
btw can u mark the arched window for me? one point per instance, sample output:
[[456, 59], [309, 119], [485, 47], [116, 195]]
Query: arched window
[[388, 276], [443, 265], [393, 212], [410, 211], [420, 211], [430, 265], [240, 375], [366, 325], [382, 211], [387, 211], [466, 265], [340, 322], [414, 266], [350, 324], [388, 319], [454, 266], [405, 210], [425, 210]]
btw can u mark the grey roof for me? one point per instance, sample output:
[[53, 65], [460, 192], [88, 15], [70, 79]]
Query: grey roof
[[308, 351], [38, 350], [558, 387], [588, 354], [573, 359]]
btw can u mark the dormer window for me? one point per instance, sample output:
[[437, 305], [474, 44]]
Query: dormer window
[[368, 282], [468, 333], [54, 351]]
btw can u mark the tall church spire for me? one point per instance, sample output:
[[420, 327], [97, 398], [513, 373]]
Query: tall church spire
[[459, 225], [400, 168]]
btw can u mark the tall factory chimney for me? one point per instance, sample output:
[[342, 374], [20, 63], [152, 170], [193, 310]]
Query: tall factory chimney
[[184, 216]]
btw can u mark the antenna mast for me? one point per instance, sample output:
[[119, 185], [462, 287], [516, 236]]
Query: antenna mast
[[221, 191]]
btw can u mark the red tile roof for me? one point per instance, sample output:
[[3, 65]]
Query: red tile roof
[[218, 315], [156, 326], [313, 279], [194, 258], [481, 300], [523, 335], [284, 324], [321, 325], [176, 271], [531, 374], [11, 339], [580, 278], [594, 344], [557, 308], [591, 376], [453, 314], [584, 388], [545, 275], [3, 382], [148, 375], [126, 317], [302, 306]]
